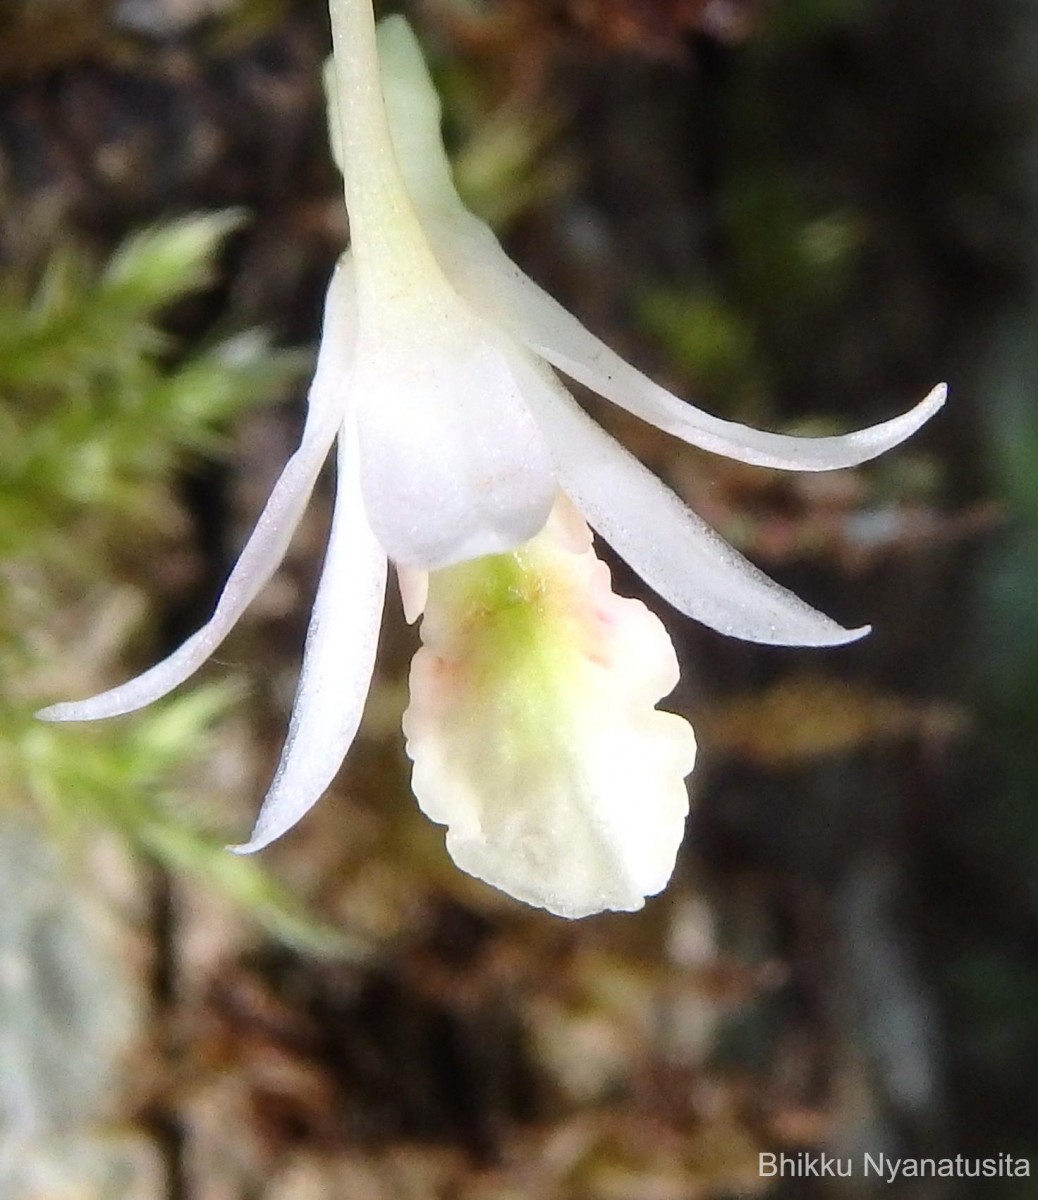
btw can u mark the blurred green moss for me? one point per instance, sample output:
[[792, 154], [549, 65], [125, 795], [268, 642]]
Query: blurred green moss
[[98, 409]]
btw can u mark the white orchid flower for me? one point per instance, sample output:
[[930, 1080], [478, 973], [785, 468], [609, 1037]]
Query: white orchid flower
[[463, 459]]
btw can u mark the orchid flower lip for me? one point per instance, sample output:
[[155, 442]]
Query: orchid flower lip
[[562, 677]]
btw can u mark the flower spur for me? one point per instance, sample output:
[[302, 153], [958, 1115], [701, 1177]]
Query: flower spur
[[463, 459]]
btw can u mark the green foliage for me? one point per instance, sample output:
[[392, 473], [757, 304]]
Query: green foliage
[[91, 416], [96, 413]]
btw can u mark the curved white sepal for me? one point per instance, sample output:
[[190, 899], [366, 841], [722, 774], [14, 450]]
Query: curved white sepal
[[534, 733], [662, 539], [337, 663], [266, 547], [478, 267], [473, 260]]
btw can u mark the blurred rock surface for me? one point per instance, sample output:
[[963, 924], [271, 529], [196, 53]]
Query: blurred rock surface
[[74, 1009]]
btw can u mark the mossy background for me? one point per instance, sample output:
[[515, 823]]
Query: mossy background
[[803, 214]]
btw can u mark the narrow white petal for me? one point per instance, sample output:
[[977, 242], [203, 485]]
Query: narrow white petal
[[266, 547], [478, 267], [672, 549], [337, 663], [453, 466]]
